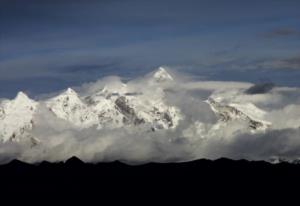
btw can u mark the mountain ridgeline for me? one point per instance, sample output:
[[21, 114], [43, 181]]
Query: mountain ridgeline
[[88, 121]]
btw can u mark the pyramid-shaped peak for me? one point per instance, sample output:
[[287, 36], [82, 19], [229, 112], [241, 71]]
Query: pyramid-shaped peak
[[22, 96], [70, 91], [162, 75], [74, 161]]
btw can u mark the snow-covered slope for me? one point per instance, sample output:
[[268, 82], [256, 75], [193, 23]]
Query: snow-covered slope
[[116, 106], [16, 117], [70, 107], [249, 113], [161, 75]]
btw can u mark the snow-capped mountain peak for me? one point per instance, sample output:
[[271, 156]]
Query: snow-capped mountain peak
[[16, 117], [21, 96], [70, 107], [161, 75], [66, 99], [113, 106], [70, 91]]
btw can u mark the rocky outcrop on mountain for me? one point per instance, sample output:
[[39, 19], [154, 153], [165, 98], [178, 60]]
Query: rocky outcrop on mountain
[[130, 116], [227, 113]]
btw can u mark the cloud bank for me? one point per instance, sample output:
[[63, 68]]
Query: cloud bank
[[199, 133]]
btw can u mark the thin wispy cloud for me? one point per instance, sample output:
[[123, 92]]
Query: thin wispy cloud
[[283, 32], [292, 63]]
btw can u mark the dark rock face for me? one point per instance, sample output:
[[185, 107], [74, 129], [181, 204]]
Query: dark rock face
[[168, 119], [122, 106], [89, 100], [129, 113], [164, 116], [2, 113], [255, 124]]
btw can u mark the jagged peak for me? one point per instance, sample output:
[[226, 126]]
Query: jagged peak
[[22, 96], [70, 91], [161, 74], [67, 93]]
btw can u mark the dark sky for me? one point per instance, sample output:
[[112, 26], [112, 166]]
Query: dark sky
[[46, 45]]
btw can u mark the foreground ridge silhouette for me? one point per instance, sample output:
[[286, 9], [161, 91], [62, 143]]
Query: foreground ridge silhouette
[[197, 169], [186, 180]]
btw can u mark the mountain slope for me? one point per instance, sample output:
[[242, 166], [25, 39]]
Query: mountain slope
[[16, 117], [70, 107], [247, 112]]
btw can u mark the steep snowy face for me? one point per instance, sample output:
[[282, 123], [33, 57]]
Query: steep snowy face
[[16, 118], [102, 105], [125, 107], [117, 105], [161, 75], [69, 106], [141, 109], [249, 113]]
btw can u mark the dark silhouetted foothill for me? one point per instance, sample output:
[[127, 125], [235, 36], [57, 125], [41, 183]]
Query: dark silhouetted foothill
[[17, 164], [74, 161], [191, 170], [167, 179]]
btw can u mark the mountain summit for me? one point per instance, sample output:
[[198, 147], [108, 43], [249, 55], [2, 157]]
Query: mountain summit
[[161, 75], [16, 117]]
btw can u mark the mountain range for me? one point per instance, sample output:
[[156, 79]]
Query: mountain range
[[116, 106]]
